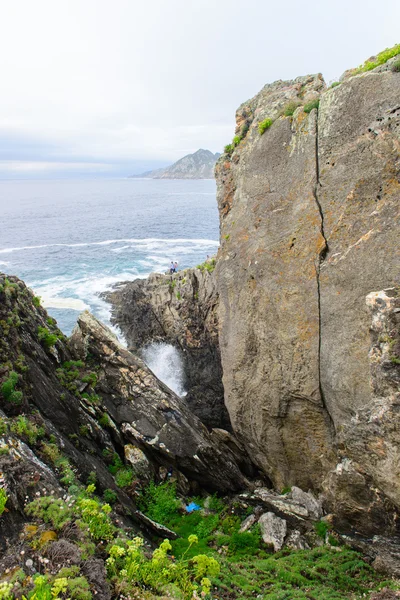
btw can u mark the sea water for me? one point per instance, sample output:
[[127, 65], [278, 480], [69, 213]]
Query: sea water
[[70, 240]]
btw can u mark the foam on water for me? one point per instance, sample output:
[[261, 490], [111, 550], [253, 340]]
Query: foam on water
[[167, 364]]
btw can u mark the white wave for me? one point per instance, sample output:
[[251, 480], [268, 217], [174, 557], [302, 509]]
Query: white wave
[[141, 242], [166, 363], [71, 303], [4, 263]]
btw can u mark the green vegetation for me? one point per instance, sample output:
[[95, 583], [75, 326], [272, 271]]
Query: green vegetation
[[25, 428], [264, 125], [8, 389], [46, 338], [334, 84], [3, 500], [159, 502], [311, 105], [178, 296], [321, 529], [289, 109], [379, 59], [208, 265], [36, 301], [229, 148]]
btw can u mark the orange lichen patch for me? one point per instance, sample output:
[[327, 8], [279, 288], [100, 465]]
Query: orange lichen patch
[[30, 531], [47, 536]]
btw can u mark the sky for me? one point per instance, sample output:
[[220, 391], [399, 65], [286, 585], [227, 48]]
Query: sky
[[117, 87]]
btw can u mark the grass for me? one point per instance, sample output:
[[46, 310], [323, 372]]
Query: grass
[[311, 105], [264, 125], [289, 109], [208, 265], [379, 59]]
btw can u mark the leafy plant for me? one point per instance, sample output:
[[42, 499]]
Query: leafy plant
[[159, 502], [8, 389], [311, 105], [264, 125], [25, 428], [321, 529], [229, 148], [46, 338], [3, 500]]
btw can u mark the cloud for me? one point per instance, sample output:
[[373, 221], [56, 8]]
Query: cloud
[[109, 83]]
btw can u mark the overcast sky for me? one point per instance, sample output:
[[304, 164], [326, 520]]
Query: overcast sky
[[116, 86]]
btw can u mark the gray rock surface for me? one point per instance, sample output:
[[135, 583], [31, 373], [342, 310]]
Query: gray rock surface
[[307, 276], [179, 309], [273, 530]]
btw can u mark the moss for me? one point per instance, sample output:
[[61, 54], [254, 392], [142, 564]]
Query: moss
[[46, 338], [289, 109], [3, 500]]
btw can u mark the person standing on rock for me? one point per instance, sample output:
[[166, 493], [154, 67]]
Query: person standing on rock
[[175, 267], [171, 267]]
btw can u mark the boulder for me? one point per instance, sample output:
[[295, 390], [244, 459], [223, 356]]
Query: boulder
[[273, 530], [248, 523]]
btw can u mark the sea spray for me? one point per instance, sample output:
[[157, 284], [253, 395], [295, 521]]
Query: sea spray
[[167, 364]]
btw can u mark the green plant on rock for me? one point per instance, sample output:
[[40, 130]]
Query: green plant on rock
[[264, 125], [289, 109], [124, 477], [23, 427], [159, 502], [396, 66], [311, 105], [36, 301], [46, 338], [3, 426], [3, 500], [379, 59], [8, 389], [321, 529], [334, 84], [229, 148]]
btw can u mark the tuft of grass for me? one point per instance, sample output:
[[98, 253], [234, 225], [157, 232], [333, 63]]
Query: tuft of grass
[[334, 84], [289, 109], [8, 388], [229, 148], [264, 125], [311, 105], [3, 500], [46, 338], [379, 59], [396, 66]]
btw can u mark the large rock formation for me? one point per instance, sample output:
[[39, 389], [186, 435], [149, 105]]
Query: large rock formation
[[181, 310], [307, 277], [199, 165]]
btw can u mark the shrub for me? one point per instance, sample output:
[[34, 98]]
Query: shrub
[[264, 125], [321, 529], [236, 140], [25, 428], [104, 420], [110, 496], [46, 338], [335, 84], [311, 105], [159, 502], [229, 148], [289, 109], [3, 500], [396, 66], [3, 426], [244, 543], [8, 389], [36, 301], [124, 477]]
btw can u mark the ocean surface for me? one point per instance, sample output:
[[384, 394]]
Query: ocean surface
[[70, 240]]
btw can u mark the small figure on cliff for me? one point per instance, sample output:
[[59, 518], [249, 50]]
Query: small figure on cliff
[[171, 267], [175, 267]]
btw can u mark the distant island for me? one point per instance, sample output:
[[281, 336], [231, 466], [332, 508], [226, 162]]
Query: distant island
[[199, 165]]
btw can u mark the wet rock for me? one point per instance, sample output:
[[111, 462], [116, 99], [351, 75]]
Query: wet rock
[[273, 530], [181, 310]]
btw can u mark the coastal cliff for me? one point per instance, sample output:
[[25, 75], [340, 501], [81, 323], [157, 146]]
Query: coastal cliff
[[307, 276]]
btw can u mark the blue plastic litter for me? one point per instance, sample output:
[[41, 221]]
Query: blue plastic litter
[[192, 507]]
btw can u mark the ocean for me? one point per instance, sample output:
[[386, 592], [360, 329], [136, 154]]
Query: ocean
[[70, 240]]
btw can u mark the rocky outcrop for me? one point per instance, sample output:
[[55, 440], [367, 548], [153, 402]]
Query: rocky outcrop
[[85, 409], [199, 165], [307, 277], [179, 309]]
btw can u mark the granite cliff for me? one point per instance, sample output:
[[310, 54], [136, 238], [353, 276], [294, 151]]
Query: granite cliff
[[308, 283]]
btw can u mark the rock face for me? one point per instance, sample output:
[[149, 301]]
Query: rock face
[[179, 309], [199, 165], [307, 276]]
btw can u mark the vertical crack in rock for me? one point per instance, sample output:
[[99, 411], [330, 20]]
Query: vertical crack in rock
[[321, 257]]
